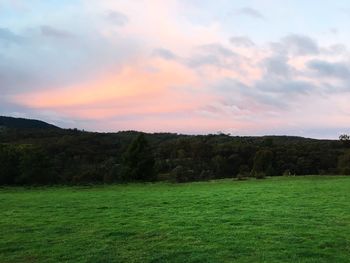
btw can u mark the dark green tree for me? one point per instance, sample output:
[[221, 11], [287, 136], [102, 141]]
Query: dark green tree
[[219, 164], [344, 164], [34, 166], [138, 161], [262, 164], [8, 164], [345, 140]]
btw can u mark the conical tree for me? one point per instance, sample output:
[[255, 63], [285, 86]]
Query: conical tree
[[138, 161]]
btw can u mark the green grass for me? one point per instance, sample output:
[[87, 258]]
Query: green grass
[[294, 219]]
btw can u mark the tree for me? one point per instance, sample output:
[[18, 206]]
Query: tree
[[219, 165], [344, 164], [345, 139], [110, 171], [8, 164], [138, 161], [34, 166], [262, 164]]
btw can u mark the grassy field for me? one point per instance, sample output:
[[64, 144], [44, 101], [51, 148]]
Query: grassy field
[[294, 219]]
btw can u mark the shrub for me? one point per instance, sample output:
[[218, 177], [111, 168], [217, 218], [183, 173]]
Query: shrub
[[180, 174]]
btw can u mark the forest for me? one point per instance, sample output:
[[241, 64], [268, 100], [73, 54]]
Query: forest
[[36, 153]]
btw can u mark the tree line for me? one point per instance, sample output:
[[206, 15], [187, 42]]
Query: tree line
[[57, 156]]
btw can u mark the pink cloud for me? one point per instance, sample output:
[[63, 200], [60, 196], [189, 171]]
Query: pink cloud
[[148, 79]]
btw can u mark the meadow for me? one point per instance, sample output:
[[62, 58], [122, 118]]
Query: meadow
[[280, 219]]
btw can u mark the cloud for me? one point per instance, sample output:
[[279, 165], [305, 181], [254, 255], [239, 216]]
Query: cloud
[[326, 69], [164, 53], [49, 31], [284, 87], [126, 70], [13, 78], [265, 95], [7, 37], [277, 66], [44, 63], [117, 18], [217, 49], [128, 83], [297, 45], [241, 41], [213, 55], [251, 12]]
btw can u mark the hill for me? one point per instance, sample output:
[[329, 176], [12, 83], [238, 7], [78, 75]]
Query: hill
[[35, 152], [21, 123]]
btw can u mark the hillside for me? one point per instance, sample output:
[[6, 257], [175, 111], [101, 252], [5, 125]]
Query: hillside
[[21, 123], [34, 152]]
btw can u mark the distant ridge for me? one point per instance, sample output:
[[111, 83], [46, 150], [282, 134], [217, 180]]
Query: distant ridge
[[21, 123]]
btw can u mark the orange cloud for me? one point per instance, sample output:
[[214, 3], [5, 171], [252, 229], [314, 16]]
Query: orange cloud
[[140, 81]]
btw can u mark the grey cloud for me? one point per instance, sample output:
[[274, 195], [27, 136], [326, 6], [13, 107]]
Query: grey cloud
[[286, 86], [213, 54], [216, 49], [228, 85], [202, 60], [247, 97], [335, 49], [277, 66], [301, 45], [117, 18], [164, 53], [331, 88], [13, 78], [271, 92], [330, 69], [242, 41], [8, 37], [280, 77], [49, 31], [298, 45], [15, 74], [38, 66], [251, 12], [197, 61]]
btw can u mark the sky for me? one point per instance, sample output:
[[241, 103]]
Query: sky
[[244, 67]]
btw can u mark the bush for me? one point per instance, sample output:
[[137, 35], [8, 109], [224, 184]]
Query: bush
[[243, 172], [259, 175], [182, 175]]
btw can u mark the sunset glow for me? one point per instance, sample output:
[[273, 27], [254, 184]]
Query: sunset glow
[[178, 66]]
